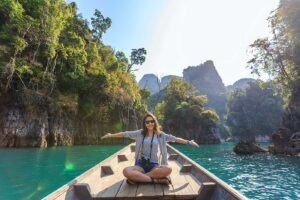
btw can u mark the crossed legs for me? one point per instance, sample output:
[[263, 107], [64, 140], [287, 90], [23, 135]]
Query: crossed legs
[[137, 174]]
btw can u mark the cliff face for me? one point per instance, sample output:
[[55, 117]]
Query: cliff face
[[286, 140], [208, 81], [153, 84], [150, 82], [240, 84], [291, 118], [205, 78], [41, 125], [166, 80], [36, 126]]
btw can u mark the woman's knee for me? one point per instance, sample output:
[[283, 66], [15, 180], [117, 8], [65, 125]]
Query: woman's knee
[[167, 170], [126, 172]]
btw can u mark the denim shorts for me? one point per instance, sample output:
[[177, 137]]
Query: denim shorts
[[146, 168]]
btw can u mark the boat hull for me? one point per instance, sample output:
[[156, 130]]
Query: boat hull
[[106, 181]]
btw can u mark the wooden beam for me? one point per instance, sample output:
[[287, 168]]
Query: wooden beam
[[206, 190], [132, 147], [122, 158], [106, 170], [173, 156], [82, 191], [186, 168]]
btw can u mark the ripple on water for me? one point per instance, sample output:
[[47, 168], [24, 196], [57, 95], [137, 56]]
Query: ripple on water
[[37, 172], [259, 176]]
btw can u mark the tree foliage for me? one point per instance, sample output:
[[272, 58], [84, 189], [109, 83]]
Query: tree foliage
[[182, 111], [100, 24], [137, 57], [279, 55], [257, 110], [122, 60], [46, 48]]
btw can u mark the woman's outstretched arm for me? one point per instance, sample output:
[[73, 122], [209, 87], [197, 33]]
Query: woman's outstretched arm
[[115, 135], [183, 141]]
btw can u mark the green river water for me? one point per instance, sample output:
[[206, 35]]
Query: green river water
[[34, 173]]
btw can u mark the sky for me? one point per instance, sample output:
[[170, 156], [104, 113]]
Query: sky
[[182, 33]]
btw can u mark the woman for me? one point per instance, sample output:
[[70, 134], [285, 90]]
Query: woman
[[148, 141]]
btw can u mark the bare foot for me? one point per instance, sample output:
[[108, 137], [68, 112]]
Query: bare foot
[[130, 182], [165, 181]]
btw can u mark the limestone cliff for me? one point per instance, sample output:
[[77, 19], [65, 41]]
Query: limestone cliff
[[208, 81], [37, 125], [151, 83], [286, 140], [205, 78], [159, 96], [166, 80], [240, 84], [40, 124]]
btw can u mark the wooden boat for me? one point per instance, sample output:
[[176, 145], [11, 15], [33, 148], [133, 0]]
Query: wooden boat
[[106, 181]]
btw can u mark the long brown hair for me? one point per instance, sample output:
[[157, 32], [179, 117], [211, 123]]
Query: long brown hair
[[156, 125]]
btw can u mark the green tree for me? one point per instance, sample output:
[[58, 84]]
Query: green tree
[[137, 57], [279, 56], [30, 33], [183, 113], [100, 24], [257, 110], [123, 60], [49, 52]]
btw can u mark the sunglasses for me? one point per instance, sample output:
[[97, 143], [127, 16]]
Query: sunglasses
[[150, 121]]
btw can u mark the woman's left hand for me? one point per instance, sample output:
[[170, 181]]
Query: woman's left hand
[[193, 143]]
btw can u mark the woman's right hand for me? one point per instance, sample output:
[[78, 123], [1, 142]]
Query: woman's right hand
[[107, 135], [193, 143]]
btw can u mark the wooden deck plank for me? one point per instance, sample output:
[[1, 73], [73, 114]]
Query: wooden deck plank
[[150, 191], [194, 183], [180, 186], [127, 191], [109, 185]]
